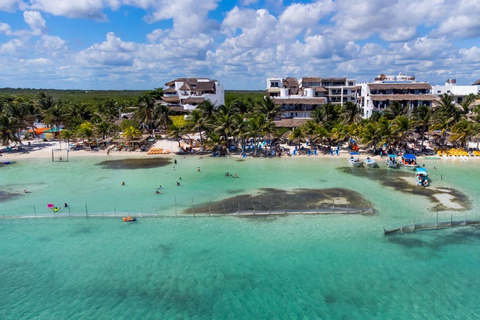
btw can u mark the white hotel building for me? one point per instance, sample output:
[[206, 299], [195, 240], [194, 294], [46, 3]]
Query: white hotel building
[[185, 94], [378, 95], [459, 92], [299, 98]]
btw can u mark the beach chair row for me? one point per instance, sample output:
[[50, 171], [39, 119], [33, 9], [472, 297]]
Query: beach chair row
[[457, 153], [158, 151]]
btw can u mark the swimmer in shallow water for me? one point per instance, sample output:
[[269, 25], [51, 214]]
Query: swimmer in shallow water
[[123, 183], [178, 183], [25, 191]]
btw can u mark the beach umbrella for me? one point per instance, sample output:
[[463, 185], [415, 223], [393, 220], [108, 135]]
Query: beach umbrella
[[50, 205]]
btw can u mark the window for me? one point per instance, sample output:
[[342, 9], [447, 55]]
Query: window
[[439, 91], [350, 84], [448, 91]]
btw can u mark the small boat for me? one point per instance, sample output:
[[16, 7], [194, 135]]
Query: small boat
[[422, 177], [392, 161], [354, 161], [129, 219], [409, 161], [370, 163]]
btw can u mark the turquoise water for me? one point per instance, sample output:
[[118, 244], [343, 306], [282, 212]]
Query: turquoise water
[[328, 267]]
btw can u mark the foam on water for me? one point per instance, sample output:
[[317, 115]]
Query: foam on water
[[329, 267]]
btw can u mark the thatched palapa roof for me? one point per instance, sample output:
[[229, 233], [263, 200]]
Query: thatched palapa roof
[[167, 99], [477, 83], [308, 101], [400, 86], [290, 123], [193, 100], [403, 97]]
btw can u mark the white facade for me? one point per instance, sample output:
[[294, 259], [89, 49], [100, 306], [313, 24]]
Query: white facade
[[299, 98], [378, 95], [459, 92], [190, 92]]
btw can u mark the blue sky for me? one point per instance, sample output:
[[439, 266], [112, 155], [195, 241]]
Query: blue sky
[[141, 44]]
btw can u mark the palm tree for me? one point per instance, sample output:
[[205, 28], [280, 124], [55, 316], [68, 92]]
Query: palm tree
[[312, 131], [131, 132], [350, 113], [268, 108], [163, 118], [206, 108], [175, 132], [463, 131], [7, 130], [395, 109], [401, 127], [67, 134], [325, 115], [145, 111], [104, 129], [86, 130], [422, 117], [296, 135], [198, 124], [258, 125], [448, 110]]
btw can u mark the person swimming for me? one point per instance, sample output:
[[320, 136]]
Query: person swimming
[[25, 191], [198, 169], [123, 183], [236, 176], [65, 205], [175, 161], [178, 183]]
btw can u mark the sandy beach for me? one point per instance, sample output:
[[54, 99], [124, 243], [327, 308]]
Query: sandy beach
[[42, 149]]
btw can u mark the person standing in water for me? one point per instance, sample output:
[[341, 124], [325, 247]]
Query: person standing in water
[[198, 169]]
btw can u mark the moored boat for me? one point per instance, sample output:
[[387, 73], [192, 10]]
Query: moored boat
[[409, 161], [354, 161], [369, 162], [421, 177], [392, 161]]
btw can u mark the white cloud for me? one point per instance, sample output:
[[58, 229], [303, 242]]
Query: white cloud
[[5, 28], [90, 9], [9, 5], [14, 47], [35, 21], [112, 52]]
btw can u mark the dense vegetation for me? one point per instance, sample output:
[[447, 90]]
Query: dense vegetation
[[246, 116]]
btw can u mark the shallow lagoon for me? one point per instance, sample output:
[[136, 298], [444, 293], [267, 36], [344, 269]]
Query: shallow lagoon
[[328, 266]]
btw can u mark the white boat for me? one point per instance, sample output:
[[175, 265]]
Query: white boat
[[354, 161], [392, 161], [370, 162], [409, 161], [421, 177]]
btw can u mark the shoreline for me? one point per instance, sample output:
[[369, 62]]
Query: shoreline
[[40, 149]]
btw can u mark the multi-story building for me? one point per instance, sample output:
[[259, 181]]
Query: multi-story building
[[460, 93], [378, 95], [187, 93], [298, 99]]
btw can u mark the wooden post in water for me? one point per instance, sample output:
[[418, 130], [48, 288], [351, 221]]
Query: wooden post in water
[[175, 205], [210, 208], [238, 211], [451, 220], [224, 211], [193, 210], [34, 210], [333, 201], [437, 218], [86, 209]]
